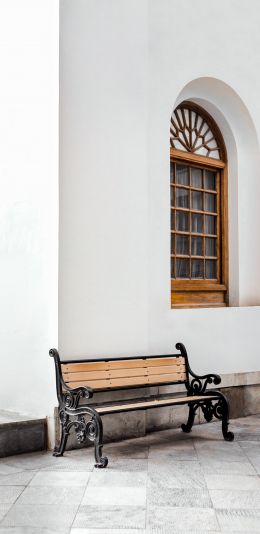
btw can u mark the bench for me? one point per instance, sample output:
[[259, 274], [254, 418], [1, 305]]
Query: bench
[[78, 380]]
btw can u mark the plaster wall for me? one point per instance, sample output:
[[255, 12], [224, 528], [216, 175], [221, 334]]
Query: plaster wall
[[28, 203], [124, 66]]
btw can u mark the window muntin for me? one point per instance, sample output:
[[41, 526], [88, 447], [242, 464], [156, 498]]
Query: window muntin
[[191, 132], [195, 249], [198, 209]]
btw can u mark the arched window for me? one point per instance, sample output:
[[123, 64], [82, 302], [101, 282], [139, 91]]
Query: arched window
[[198, 209]]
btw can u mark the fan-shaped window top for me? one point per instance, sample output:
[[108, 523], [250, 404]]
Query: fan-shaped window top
[[191, 132]]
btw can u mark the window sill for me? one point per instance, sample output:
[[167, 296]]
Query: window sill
[[199, 294]]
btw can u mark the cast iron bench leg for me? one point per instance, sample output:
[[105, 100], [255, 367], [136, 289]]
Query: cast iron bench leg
[[64, 419], [192, 412]]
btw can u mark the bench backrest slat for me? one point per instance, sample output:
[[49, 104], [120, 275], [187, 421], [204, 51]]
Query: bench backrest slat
[[120, 373]]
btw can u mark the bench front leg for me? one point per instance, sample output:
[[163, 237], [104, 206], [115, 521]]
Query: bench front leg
[[192, 412], [94, 432], [218, 408], [91, 430], [64, 421]]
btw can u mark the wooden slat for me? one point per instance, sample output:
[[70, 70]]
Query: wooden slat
[[173, 377], [120, 364], [126, 364], [165, 361], [130, 381], [166, 369], [149, 404], [86, 377], [81, 367]]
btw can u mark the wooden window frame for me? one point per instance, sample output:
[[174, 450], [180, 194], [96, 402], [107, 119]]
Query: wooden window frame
[[191, 293]]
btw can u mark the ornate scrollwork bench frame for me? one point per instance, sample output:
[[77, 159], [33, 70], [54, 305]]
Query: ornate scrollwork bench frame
[[75, 413]]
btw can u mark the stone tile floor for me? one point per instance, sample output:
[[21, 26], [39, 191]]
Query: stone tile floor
[[166, 482]]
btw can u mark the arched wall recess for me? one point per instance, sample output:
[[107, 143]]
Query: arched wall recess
[[243, 154]]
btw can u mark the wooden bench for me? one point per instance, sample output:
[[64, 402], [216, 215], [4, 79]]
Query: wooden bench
[[78, 380]]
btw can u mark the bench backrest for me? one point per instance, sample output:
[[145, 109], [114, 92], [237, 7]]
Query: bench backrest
[[121, 373]]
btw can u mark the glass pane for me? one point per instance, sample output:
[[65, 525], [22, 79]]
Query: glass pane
[[211, 246], [182, 268], [182, 221], [197, 270], [172, 220], [172, 268], [210, 224], [210, 180], [182, 197], [196, 177], [197, 246], [197, 223], [211, 269], [172, 196], [202, 151], [172, 244], [215, 154], [182, 244], [210, 202], [172, 172], [182, 175], [196, 200]]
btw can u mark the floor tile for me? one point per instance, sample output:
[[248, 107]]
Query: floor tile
[[9, 494], [126, 450], [106, 531], [30, 461], [17, 479], [197, 498], [236, 499], [110, 517], [56, 478], [182, 518], [176, 474], [4, 508], [213, 466], [115, 496], [32, 530], [233, 482], [175, 453], [52, 495], [128, 464], [108, 478], [44, 516], [6, 469], [239, 520], [222, 452]]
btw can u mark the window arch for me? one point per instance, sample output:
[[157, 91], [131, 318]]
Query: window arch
[[198, 209]]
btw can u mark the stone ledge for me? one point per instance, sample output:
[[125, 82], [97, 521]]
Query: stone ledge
[[21, 434]]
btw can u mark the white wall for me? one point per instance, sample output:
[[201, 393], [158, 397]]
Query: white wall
[[103, 177], [124, 65], [28, 202]]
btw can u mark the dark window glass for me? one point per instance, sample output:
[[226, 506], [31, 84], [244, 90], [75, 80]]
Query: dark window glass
[[197, 223], [182, 221], [197, 246], [182, 268], [197, 270], [182, 244], [182, 175]]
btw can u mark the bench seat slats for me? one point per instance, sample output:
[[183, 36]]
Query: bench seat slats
[[150, 404]]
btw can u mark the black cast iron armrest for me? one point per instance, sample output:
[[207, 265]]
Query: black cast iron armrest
[[199, 383], [73, 396], [66, 395]]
